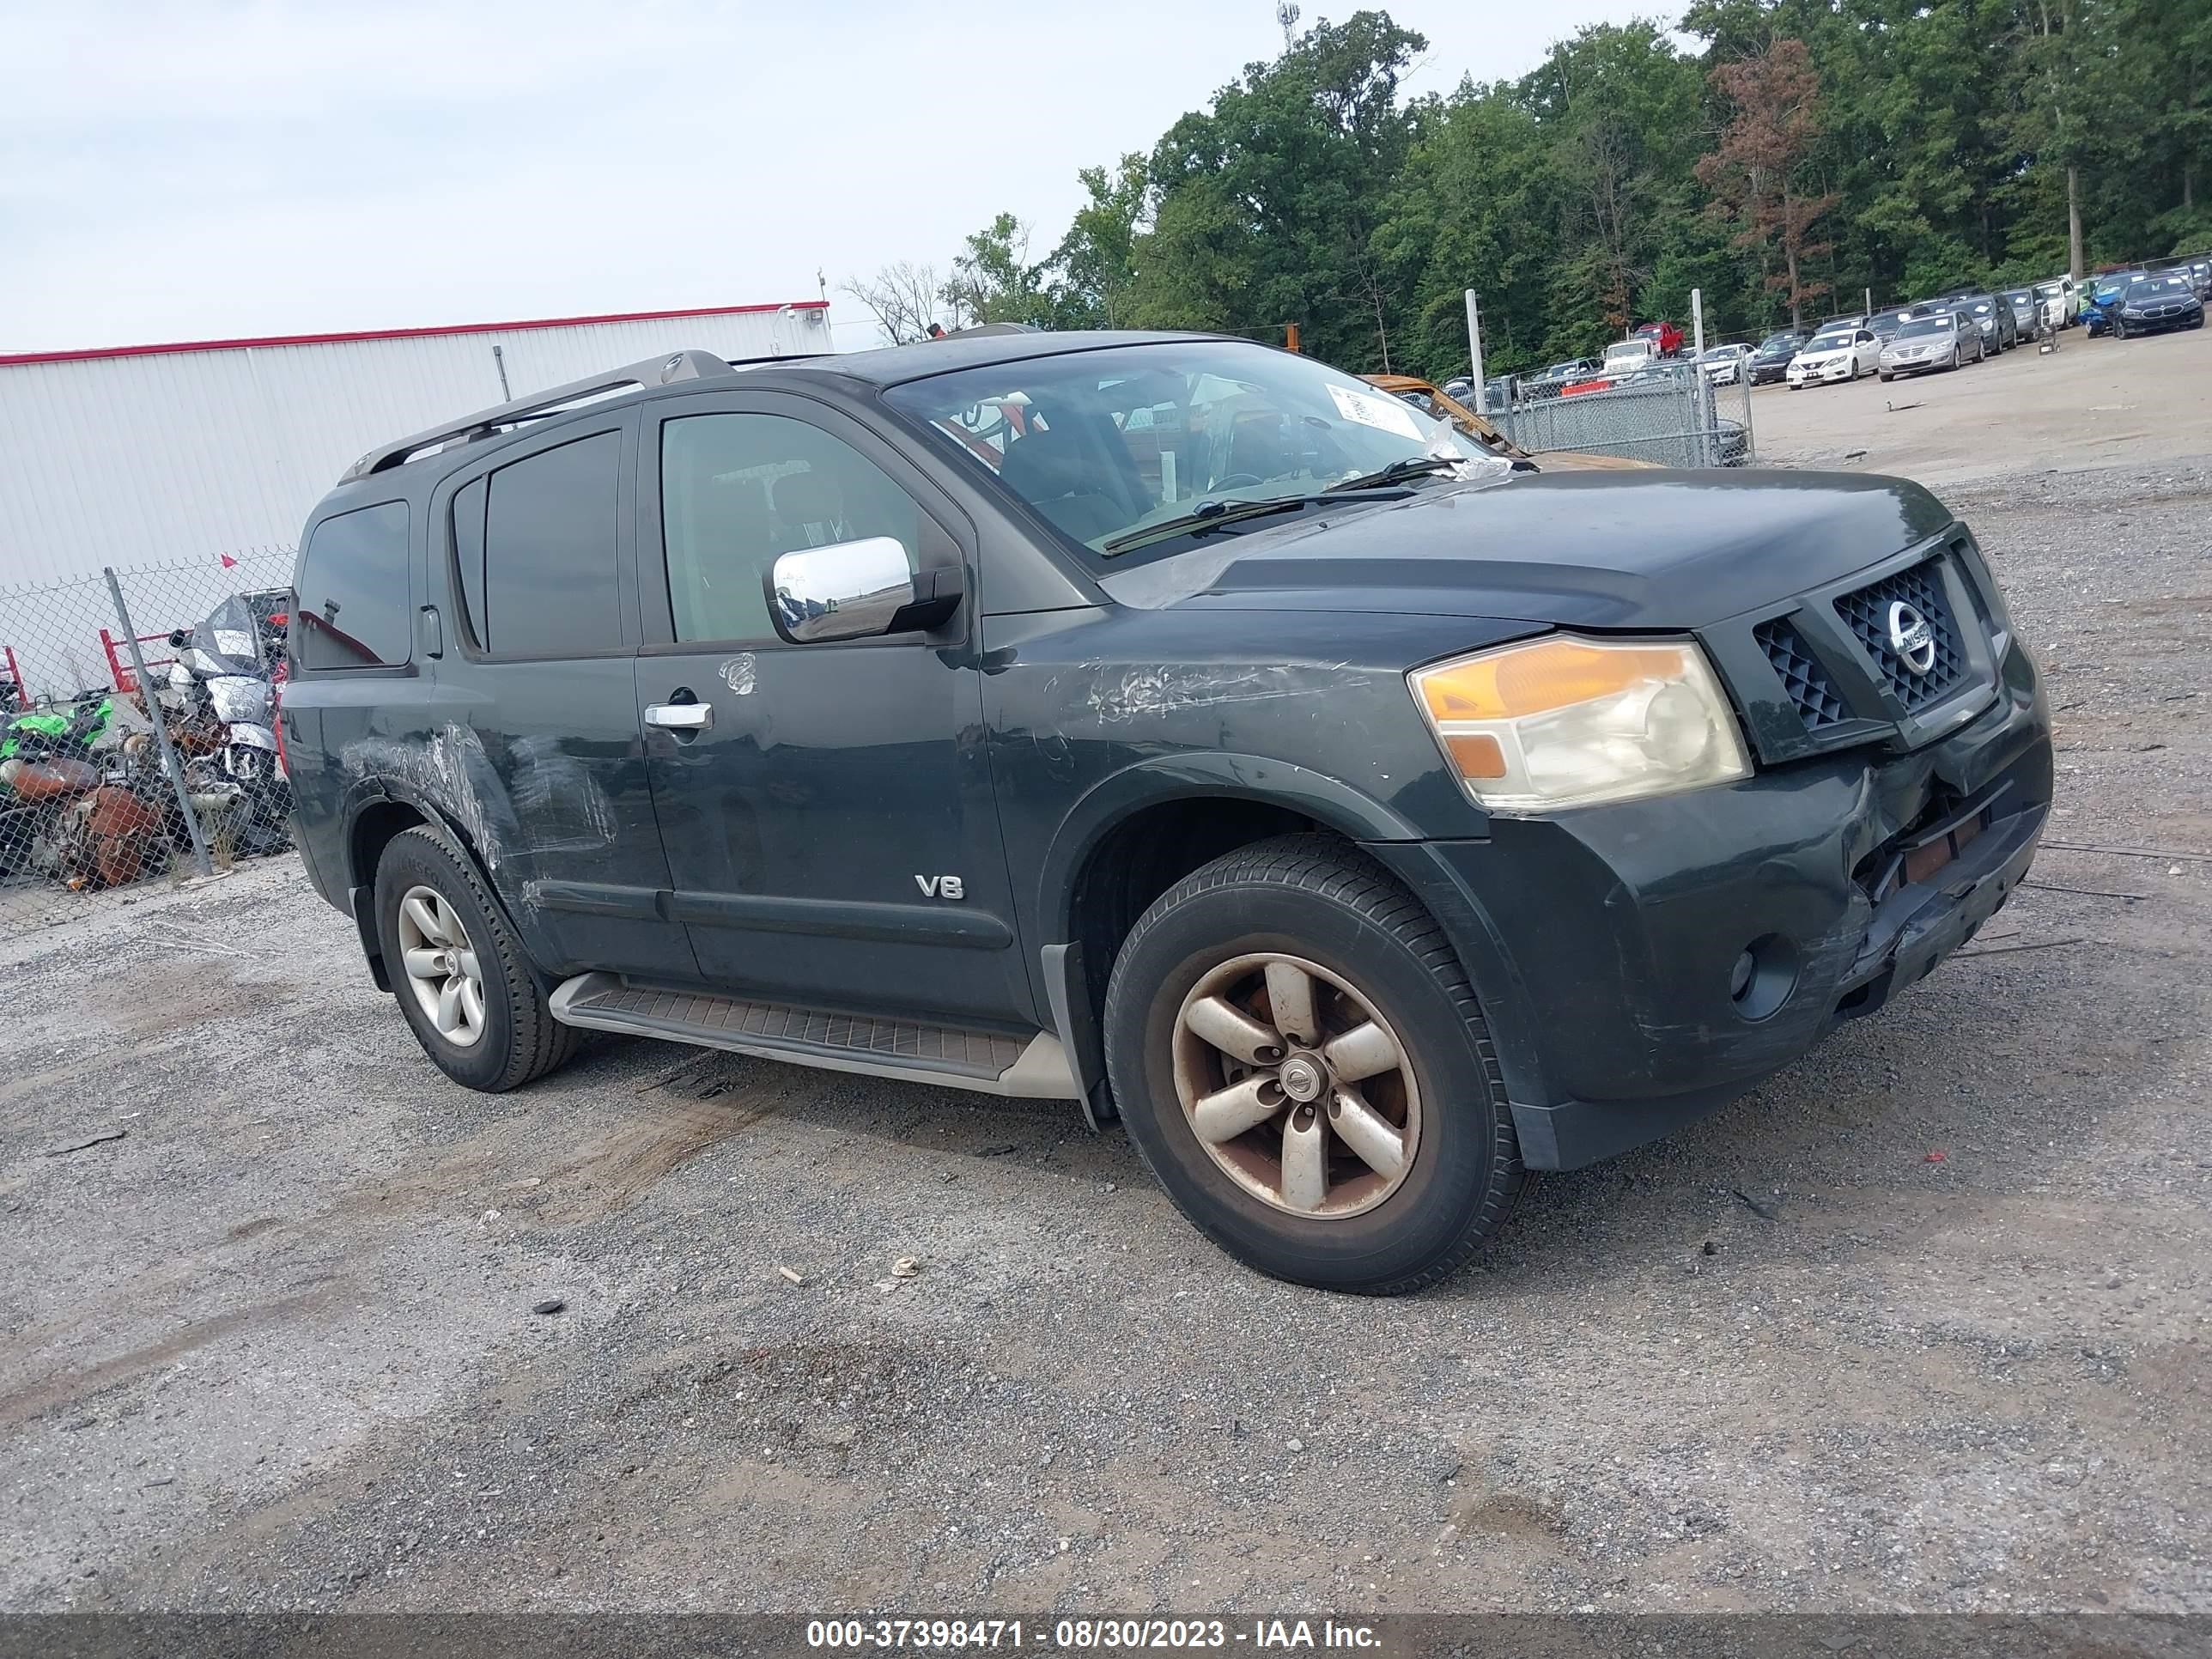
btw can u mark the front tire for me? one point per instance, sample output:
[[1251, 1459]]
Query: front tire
[[459, 974], [1301, 1063]]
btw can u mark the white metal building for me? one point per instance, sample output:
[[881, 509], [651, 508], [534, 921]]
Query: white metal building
[[161, 453]]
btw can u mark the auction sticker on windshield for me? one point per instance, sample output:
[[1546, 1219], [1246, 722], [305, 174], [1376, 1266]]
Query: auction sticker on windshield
[[1385, 413]]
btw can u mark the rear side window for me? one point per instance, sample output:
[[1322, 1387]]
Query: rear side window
[[353, 609], [548, 548]]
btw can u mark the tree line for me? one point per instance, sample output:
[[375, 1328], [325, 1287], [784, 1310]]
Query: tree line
[[1805, 151]]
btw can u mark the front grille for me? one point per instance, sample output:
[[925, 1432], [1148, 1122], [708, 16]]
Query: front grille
[[1866, 613], [1819, 705]]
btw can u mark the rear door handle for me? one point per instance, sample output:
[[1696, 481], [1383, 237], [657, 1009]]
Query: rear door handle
[[680, 716]]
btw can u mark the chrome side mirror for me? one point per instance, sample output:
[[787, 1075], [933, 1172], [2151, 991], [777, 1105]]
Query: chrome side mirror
[[856, 590], [846, 591]]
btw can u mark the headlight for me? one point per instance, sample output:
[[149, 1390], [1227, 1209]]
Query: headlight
[[1566, 721]]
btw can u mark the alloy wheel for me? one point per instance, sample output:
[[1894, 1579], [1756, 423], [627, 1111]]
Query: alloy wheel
[[1296, 1086], [442, 971]]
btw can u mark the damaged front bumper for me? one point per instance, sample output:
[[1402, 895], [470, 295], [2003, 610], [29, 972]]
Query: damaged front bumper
[[1643, 963]]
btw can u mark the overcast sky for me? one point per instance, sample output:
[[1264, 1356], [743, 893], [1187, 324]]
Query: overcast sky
[[210, 170]]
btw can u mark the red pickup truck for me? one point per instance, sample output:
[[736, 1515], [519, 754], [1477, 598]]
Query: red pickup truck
[[1666, 336]]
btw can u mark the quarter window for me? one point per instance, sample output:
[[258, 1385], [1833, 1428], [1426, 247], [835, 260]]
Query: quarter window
[[549, 547], [352, 610], [736, 490]]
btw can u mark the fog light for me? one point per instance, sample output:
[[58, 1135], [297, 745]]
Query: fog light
[[1764, 975]]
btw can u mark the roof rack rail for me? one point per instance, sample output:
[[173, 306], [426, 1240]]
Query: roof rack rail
[[656, 371]]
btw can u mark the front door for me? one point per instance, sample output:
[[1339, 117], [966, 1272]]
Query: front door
[[826, 808]]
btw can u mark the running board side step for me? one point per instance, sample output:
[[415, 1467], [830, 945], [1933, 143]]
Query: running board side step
[[989, 1062]]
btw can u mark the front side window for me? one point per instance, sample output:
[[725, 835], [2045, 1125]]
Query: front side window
[[352, 608], [550, 550], [1104, 444], [737, 491]]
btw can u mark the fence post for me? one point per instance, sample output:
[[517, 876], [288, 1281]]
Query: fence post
[[1708, 450], [1474, 352], [169, 763]]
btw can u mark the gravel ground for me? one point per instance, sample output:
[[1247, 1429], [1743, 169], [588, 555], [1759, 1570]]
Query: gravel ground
[[1921, 1325]]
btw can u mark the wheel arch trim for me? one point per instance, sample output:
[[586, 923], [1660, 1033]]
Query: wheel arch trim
[[360, 892], [1218, 774]]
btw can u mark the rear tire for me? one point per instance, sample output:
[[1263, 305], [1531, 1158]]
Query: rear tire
[[1290, 1194], [504, 1034]]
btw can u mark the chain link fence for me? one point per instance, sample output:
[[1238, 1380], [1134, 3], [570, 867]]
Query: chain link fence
[[138, 729], [1669, 413]]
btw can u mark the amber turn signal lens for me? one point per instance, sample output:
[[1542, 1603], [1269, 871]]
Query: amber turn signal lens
[[1553, 674], [1477, 754]]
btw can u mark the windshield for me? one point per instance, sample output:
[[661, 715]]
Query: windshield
[[1774, 345], [1104, 443], [1826, 341], [2152, 288], [2049, 290], [1924, 325]]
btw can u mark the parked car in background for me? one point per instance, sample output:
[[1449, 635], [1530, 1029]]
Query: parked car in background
[[2103, 299], [1840, 351], [2024, 310], [1723, 364], [1501, 392], [1666, 337], [1992, 317], [1934, 339], [1885, 323], [1550, 380], [2153, 305], [2065, 290], [1771, 362]]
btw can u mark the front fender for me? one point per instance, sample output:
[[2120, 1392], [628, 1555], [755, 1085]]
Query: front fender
[[1161, 779]]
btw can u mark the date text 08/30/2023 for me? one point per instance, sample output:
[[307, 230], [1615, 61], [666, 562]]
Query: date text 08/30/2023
[[1077, 1635]]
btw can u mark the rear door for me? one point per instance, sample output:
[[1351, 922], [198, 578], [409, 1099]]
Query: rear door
[[831, 834], [535, 730]]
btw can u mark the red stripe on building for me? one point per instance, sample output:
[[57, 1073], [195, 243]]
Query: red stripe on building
[[400, 333]]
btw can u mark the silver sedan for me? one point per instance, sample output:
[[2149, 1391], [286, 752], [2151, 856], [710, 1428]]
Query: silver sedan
[[1940, 339]]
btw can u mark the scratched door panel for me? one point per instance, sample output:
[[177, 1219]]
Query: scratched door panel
[[831, 834], [534, 733]]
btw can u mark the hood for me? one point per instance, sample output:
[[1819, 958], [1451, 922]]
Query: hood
[[1649, 549]]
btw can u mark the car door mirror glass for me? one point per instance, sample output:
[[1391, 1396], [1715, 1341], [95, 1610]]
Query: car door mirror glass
[[846, 591]]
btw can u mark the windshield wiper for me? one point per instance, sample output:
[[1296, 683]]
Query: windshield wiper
[[1207, 518], [1412, 466]]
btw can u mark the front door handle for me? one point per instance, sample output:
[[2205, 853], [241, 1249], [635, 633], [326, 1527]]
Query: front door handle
[[680, 716]]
